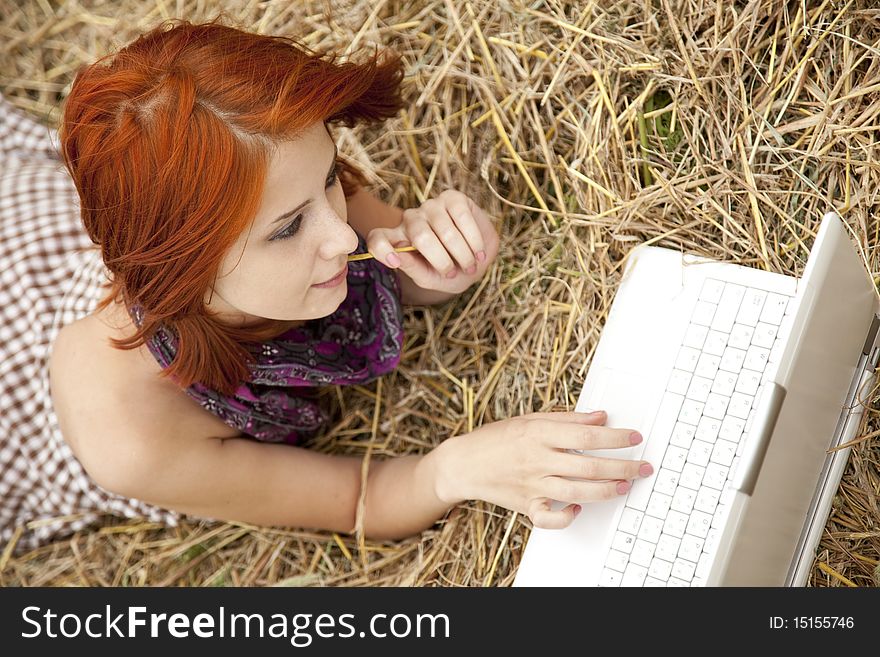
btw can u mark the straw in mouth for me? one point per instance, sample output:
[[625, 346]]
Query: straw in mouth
[[364, 256]]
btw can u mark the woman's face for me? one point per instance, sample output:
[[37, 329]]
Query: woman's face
[[300, 237]]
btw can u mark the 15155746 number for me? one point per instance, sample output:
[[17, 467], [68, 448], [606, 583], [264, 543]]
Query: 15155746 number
[[812, 622]]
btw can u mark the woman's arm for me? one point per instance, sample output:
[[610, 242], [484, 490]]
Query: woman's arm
[[271, 484], [134, 438], [366, 212]]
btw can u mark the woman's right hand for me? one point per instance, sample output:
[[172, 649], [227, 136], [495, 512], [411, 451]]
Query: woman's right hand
[[522, 463]]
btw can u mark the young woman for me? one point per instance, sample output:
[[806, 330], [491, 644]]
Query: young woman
[[176, 293]]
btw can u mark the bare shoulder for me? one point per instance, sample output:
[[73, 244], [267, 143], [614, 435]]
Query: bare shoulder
[[102, 393]]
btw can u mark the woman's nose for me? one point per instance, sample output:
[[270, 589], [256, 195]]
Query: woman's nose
[[341, 238]]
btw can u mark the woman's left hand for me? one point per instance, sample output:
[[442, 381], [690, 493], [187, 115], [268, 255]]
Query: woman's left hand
[[449, 232]]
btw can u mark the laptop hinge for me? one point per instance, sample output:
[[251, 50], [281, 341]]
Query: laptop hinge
[[872, 336]]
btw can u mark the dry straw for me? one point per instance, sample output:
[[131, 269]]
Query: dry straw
[[366, 256], [584, 128]]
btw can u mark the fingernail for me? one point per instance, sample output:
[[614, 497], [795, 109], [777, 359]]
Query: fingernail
[[576, 510], [622, 487], [635, 438], [393, 260], [481, 255], [646, 469], [452, 274]]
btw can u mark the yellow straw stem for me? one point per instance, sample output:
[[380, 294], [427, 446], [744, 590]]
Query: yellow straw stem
[[364, 256]]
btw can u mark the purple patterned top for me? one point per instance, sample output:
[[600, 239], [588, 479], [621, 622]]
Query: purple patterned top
[[359, 342]]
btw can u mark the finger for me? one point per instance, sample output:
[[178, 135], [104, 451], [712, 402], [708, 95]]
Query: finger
[[447, 229], [381, 243], [576, 435], [566, 464], [544, 517], [577, 491], [593, 417], [468, 217], [431, 248]]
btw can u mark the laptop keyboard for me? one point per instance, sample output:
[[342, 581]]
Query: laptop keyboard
[[667, 533]]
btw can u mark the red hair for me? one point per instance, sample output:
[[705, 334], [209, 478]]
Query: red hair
[[168, 142]]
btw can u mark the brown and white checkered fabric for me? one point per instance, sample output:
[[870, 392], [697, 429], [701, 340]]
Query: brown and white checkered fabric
[[50, 275]]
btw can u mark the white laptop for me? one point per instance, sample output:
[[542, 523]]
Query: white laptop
[[742, 382]]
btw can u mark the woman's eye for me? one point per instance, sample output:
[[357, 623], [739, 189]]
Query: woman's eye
[[290, 230], [293, 226]]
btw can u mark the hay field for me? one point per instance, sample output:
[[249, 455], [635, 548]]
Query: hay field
[[724, 128]]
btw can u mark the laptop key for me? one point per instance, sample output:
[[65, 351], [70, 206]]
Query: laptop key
[[616, 560], [679, 382], [683, 500], [740, 405], [642, 553], [691, 547], [666, 481], [711, 290], [728, 307], [707, 366], [699, 453], [692, 475], [634, 575], [658, 505], [676, 523], [756, 358], [763, 336], [724, 383], [716, 476], [683, 569], [651, 529], [711, 539], [748, 382], [674, 581], [723, 452], [703, 565], [720, 516], [785, 326], [651, 581], [623, 541], [660, 568], [695, 336], [675, 458], [682, 435], [707, 499], [699, 524], [752, 304], [727, 494], [707, 429], [716, 405], [715, 343], [667, 547], [630, 520], [610, 577], [775, 352], [703, 313], [699, 388], [774, 308], [731, 428], [741, 336], [691, 411], [687, 359], [732, 360]]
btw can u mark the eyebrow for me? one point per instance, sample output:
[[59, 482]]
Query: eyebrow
[[306, 202]]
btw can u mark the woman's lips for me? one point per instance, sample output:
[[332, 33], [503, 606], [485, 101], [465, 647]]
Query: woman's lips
[[336, 280]]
